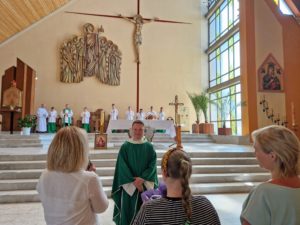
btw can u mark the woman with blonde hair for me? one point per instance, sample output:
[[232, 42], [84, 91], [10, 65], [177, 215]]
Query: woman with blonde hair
[[276, 201], [69, 194], [179, 206]]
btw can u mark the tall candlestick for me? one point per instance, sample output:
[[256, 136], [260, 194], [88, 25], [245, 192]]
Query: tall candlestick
[[102, 118], [293, 114]]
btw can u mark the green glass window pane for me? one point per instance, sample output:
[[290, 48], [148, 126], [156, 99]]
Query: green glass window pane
[[231, 59], [237, 56], [230, 41], [230, 13]]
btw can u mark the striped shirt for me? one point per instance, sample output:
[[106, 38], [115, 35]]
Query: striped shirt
[[170, 211]]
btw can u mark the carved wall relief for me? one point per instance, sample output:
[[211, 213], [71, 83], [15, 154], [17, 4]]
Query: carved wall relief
[[90, 55]]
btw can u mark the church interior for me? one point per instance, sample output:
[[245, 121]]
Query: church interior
[[242, 55]]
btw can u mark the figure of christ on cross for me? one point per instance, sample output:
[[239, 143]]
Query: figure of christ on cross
[[138, 22], [177, 122]]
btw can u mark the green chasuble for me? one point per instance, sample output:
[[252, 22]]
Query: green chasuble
[[69, 119], [134, 160]]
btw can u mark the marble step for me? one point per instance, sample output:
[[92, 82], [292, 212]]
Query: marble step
[[11, 165], [109, 171], [113, 153], [18, 196], [21, 145], [30, 184]]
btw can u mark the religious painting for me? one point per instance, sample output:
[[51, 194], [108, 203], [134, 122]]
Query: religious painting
[[12, 97], [270, 76], [100, 141], [90, 54]]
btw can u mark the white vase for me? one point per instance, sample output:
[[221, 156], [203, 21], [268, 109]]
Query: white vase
[[26, 130]]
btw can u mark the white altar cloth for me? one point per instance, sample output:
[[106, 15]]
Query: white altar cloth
[[156, 124]]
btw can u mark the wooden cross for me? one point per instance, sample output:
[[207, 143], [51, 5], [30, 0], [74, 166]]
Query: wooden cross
[[177, 122], [176, 104], [138, 27]]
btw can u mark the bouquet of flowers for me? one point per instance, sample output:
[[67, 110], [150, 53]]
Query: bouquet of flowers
[[151, 194]]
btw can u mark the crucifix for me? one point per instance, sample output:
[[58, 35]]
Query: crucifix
[[177, 122], [138, 22]]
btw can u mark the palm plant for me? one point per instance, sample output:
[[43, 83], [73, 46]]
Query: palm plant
[[200, 103], [226, 108]]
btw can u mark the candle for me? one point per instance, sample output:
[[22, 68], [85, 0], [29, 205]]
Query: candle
[[293, 114], [102, 118]]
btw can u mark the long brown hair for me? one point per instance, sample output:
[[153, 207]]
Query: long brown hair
[[177, 164]]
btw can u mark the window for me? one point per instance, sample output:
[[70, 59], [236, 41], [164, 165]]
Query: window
[[224, 62], [224, 66], [223, 19], [284, 8], [227, 109]]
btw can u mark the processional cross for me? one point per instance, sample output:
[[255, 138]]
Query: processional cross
[[177, 122], [138, 22]]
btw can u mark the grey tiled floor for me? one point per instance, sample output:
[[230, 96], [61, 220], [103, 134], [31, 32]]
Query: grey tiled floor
[[228, 207]]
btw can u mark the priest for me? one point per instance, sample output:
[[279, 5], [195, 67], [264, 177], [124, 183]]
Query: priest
[[41, 115], [66, 115], [135, 172]]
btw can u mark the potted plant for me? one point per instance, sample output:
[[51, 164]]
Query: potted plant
[[27, 123], [226, 108], [200, 103]]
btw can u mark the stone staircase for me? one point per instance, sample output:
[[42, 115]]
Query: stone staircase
[[213, 172], [19, 141], [44, 140]]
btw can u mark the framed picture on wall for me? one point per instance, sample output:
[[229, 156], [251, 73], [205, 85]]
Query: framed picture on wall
[[100, 141], [270, 76]]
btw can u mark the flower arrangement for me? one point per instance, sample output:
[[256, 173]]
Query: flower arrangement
[[27, 121]]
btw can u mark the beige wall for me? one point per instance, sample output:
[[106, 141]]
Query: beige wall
[[268, 39], [172, 55]]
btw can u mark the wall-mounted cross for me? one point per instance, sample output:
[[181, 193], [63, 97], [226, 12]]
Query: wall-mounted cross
[[138, 22]]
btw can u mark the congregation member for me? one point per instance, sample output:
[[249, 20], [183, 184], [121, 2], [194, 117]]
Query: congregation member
[[135, 172], [178, 206], [114, 113], [140, 115], [70, 194], [151, 115], [85, 119], [52, 115], [275, 202], [67, 115], [41, 114], [161, 114], [129, 114]]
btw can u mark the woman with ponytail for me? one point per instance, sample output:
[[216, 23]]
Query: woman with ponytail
[[179, 206]]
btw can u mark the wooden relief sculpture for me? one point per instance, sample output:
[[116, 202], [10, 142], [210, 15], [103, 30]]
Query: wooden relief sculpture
[[90, 55]]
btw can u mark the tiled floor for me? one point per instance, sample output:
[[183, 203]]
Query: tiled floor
[[228, 207]]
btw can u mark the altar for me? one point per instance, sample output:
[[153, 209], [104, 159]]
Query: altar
[[166, 125]]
